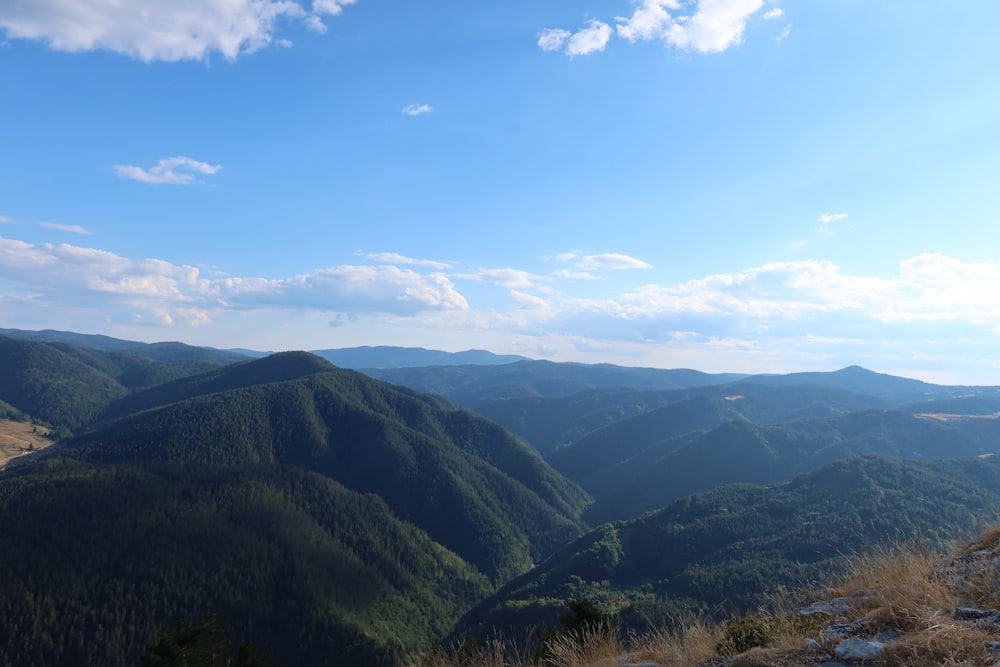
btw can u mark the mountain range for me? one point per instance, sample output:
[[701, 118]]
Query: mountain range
[[330, 515]]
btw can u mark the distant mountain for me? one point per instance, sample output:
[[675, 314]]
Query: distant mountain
[[51, 385], [743, 452], [623, 420], [869, 383], [406, 357], [723, 552], [471, 385], [70, 386], [165, 351]]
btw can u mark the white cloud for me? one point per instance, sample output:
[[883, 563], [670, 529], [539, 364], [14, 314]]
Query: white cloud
[[775, 13], [827, 219], [574, 275], [76, 229], [714, 26], [68, 276], [505, 277], [612, 261], [528, 301], [589, 40], [174, 170], [416, 109], [649, 21], [784, 33], [795, 298], [7, 221], [553, 39], [394, 258], [150, 30]]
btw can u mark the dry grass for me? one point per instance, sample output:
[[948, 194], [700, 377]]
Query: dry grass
[[590, 647], [17, 438], [692, 644]]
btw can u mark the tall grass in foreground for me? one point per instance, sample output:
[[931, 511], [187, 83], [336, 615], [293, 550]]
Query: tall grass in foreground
[[904, 588]]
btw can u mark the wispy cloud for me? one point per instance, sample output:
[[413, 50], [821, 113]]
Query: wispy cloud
[[505, 277], [67, 276], [699, 25], [76, 229], [591, 39], [173, 170], [416, 109], [394, 258], [553, 39], [610, 261], [574, 275], [827, 219], [784, 33], [7, 221], [588, 40], [713, 26], [160, 29], [764, 317], [775, 13]]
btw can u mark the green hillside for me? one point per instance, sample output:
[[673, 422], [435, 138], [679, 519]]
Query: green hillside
[[467, 482], [53, 386], [744, 452], [721, 552], [99, 559]]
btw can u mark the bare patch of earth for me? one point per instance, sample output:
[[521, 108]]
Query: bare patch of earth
[[940, 416]]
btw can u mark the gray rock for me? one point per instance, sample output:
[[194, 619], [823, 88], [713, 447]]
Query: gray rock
[[973, 614], [843, 630], [858, 649], [834, 607], [813, 646]]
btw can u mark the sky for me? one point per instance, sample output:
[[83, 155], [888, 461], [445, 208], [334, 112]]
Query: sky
[[727, 185]]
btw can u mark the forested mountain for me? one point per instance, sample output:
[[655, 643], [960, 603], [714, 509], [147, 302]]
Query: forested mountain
[[98, 560], [720, 552], [606, 415], [166, 351], [311, 506], [70, 386], [331, 517], [49, 384], [470, 385], [467, 482], [739, 451]]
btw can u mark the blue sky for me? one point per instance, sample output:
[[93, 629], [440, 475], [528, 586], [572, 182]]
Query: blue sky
[[728, 185]]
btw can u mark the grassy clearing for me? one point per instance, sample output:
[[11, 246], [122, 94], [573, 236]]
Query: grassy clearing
[[19, 438]]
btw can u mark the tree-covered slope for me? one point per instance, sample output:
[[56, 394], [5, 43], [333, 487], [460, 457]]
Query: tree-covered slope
[[50, 385], [744, 452], [163, 351], [471, 485], [99, 559], [70, 386], [723, 551]]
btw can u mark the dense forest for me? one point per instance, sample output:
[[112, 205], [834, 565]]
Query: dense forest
[[294, 512]]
